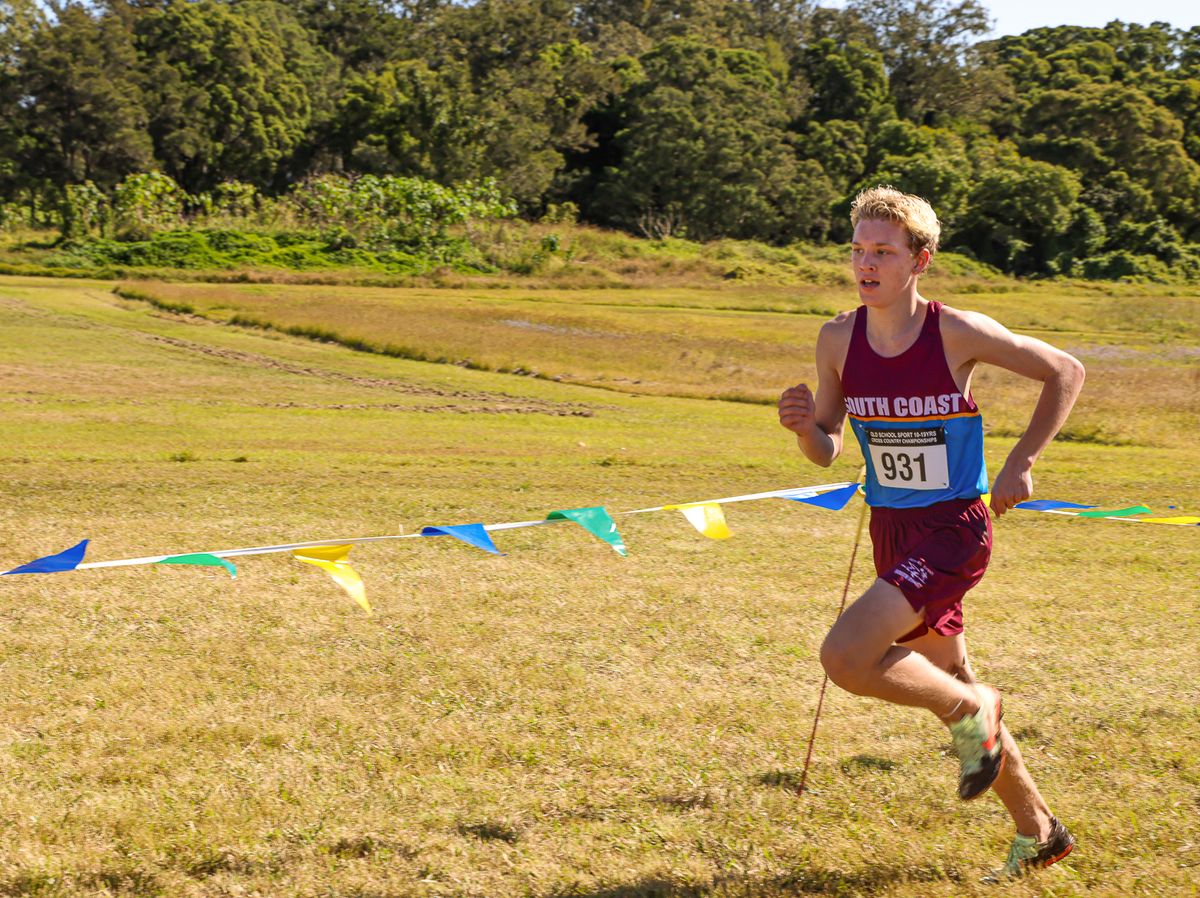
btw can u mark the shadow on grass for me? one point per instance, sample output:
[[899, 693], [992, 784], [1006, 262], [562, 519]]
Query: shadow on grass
[[789, 780], [869, 879], [860, 763]]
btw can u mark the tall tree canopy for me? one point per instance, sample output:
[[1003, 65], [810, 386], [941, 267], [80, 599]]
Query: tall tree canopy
[[222, 101]]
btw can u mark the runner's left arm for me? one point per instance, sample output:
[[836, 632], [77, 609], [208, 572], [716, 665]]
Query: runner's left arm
[[982, 339]]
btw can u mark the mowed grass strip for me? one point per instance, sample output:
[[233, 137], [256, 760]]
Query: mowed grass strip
[[1136, 342], [559, 721]]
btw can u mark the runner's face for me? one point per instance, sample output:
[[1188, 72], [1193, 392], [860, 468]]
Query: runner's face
[[884, 267]]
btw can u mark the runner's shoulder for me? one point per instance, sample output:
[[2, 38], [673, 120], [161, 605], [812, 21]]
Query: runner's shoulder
[[963, 321], [971, 331], [839, 327], [834, 337]]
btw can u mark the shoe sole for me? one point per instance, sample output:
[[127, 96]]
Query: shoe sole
[[1056, 859], [1003, 756], [988, 787]]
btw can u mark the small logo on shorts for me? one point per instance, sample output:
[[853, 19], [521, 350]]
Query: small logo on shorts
[[914, 571]]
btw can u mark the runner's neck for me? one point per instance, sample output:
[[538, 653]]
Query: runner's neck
[[892, 329]]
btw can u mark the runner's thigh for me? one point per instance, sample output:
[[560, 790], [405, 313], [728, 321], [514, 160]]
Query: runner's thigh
[[870, 626]]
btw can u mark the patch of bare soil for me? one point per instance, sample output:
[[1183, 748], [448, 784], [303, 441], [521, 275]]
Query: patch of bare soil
[[482, 402]]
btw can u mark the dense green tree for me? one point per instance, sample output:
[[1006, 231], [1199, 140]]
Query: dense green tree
[[408, 119], [315, 67], [1099, 127], [361, 34], [927, 50], [19, 22], [222, 101], [845, 81], [494, 36], [1188, 52], [839, 147], [935, 168], [81, 109], [532, 83], [724, 23], [1017, 215], [1181, 96], [703, 151], [1116, 197]]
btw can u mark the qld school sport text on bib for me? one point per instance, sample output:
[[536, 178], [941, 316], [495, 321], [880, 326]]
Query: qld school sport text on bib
[[910, 459]]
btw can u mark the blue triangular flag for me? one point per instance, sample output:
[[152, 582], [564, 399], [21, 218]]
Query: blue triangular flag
[[1048, 505], [834, 500], [66, 560], [471, 534]]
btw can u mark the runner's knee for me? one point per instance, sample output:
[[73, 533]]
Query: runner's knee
[[843, 664]]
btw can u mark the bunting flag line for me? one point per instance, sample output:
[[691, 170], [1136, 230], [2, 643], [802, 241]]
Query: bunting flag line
[[332, 560], [490, 528], [1124, 515], [789, 493], [706, 516]]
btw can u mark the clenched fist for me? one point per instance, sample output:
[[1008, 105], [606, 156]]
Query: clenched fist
[[797, 409]]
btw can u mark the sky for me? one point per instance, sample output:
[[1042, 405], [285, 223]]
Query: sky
[[1016, 16]]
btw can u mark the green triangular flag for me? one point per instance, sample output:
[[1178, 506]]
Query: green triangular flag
[[1118, 513], [596, 521], [202, 558]]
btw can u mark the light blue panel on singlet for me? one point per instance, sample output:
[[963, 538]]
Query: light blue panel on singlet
[[968, 477]]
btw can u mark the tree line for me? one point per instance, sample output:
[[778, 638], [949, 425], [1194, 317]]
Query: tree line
[[1060, 151]]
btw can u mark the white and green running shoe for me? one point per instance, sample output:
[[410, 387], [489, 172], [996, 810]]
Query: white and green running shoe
[[1028, 854], [977, 741]]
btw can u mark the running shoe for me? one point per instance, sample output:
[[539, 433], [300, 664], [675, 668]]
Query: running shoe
[[1028, 854], [977, 741]]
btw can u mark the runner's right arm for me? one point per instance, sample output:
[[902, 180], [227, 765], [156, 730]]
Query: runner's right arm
[[818, 420]]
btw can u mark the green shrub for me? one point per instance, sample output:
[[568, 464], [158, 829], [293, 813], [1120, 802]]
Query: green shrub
[[1124, 265], [389, 212], [85, 209], [145, 203]]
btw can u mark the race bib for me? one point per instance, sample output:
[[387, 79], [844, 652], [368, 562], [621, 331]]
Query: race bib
[[910, 459]]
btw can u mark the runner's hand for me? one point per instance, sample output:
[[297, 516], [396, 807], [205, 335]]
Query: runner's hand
[[1013, 484], [797, 409]]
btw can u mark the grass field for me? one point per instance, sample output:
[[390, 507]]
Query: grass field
[[559, 721]]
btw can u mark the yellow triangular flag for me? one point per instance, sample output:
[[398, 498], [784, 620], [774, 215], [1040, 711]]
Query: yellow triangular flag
[[706, 517], [332, 560], [1179, 520]]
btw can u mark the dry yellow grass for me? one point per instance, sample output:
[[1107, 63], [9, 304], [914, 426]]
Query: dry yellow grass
[[559, 721]]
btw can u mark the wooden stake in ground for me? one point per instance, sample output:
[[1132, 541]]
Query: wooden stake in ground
[[862, 516]]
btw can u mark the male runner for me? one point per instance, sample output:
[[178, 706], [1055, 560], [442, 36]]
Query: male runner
[[900, 366]]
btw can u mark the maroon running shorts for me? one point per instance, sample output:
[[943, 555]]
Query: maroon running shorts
[[933, 555]]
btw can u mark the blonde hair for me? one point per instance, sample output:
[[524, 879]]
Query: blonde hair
[[915, 215]]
